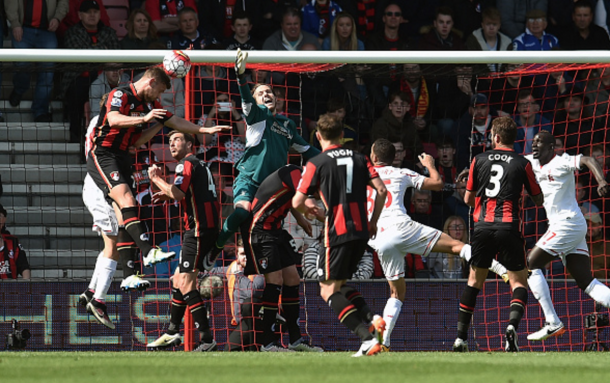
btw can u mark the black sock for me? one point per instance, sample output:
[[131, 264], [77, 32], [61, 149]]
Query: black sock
[[128, 253], [136, 229], [357, 300], [517, 306], [291, 307], [348, 315], [200, 315], [176, 312], [271, 296], [467, 303]]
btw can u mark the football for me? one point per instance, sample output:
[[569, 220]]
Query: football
[[210, 286], [176, 64]]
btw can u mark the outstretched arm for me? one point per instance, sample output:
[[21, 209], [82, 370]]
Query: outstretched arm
[[179, 123], [434, 181]]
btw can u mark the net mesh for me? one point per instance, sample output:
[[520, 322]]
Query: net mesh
[[42, 179]]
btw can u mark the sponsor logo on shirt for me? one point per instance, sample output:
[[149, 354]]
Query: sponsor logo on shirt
[[279, 129]]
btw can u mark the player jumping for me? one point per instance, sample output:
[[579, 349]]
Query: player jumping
[[269, 136], [566, 235], [399, 235]]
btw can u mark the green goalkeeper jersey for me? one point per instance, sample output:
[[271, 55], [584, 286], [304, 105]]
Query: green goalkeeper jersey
[[268, 139]]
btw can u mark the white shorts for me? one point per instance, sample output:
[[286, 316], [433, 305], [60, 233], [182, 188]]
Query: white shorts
[[393, 242], [566, 238], [104, 218]]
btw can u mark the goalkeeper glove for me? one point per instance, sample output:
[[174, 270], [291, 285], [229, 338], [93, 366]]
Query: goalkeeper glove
[[240, 62]]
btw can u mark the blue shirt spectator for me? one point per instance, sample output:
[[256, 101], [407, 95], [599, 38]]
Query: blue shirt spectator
[[535, 38], [318, 16], [529, 121]]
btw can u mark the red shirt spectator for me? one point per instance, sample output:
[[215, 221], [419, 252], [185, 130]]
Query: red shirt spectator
[[72, 17], [164, 13]]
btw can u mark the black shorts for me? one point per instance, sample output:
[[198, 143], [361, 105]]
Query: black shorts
[[269, 251], [109, 169], [508, 245], [194, 248], [341, 261]]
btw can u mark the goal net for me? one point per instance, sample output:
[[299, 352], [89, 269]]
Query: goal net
[[443, 109]]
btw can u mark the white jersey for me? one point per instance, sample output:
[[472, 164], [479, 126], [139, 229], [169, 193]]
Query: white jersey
[[396, 181], [556, 179]]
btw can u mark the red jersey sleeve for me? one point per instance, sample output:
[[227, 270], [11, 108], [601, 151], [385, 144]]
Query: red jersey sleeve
[[531, 186], [292, 179], [372, 172], [470, 185], [184, 173], [307, 185], [117, 102]]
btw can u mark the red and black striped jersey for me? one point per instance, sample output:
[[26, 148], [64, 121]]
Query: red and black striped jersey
[[273, 199], [125, 101], [341, 176], [200, 205], [498, 177], [13, 260]]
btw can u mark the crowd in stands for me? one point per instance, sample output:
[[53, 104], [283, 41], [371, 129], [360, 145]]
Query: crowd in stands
[[445, 111]]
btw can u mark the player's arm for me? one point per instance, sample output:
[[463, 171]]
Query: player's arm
[[382, 193], [179, 123], [532, 187], [469, 196], [302, 221], [603, 189], [118, 120], [171, 191], [148, 134], [434, 182]]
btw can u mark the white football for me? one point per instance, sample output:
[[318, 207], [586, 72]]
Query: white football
[[176, 64]]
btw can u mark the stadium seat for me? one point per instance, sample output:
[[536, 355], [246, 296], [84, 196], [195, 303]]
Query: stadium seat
[[117, 9], [120, 27]]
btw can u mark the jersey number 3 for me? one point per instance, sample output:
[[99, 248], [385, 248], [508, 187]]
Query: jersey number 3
[[497, 171]]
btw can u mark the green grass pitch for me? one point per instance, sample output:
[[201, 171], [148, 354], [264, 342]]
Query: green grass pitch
[[217, 367]]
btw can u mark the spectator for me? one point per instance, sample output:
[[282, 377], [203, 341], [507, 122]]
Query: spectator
[[514, 14], [445, 165], [598, 245], [188, 35], [559, 147], [34, 27], [104, 83], [535, 38], [489, 37], [343, 35], [165, 13], [89, 33], [72, 17], [219, 16], [441, 36], [502, 90], [290, 37], [583, 34], [318, 16], [455, 205], [529, 121], [468, 14], [386, 39], [241, 39], [335, 107], [472, 131], [445, 265], [453, 94], [421, 94], [395, 122], [575, 124], [13, 259], [229, 146], [582, 196], [141, 31], [423, 211]]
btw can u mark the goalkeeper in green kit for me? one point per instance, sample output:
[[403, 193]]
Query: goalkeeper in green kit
[[269, 136]]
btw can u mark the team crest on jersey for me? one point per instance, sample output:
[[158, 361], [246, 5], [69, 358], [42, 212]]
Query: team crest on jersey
[[11, 254], [180, 168], [131, 106], [114, 176], [149, 105], [263, 262]]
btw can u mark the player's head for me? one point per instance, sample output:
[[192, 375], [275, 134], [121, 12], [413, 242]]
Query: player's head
[[543, 146], [329, 128], [154, 82], [383, 152], [180, 144], [503, 131], [263, 95]]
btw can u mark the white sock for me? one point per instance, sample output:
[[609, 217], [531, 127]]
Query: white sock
[[466, 253], [540, 288], [390, 316], [599, 292], [93, 281], [104, 278]]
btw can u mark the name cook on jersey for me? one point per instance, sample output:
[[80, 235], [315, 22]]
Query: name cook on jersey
[[500, 157]]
